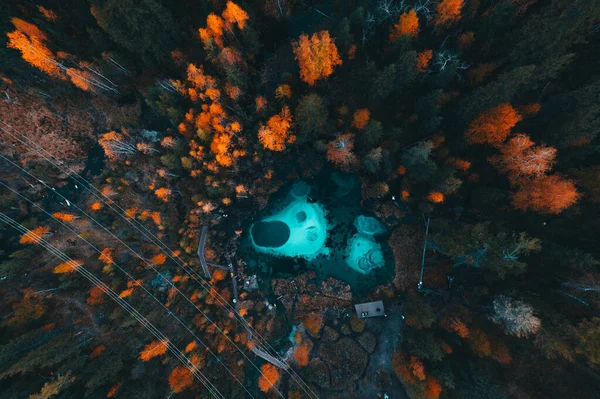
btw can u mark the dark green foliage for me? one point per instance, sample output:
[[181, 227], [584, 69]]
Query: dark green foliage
[[501, 90], [106, 371], [428, 110], [424, 345], [383, 84], [371, 134], [477, 248], [581, 114], [556, 338], [476, 245], [417, 160], [444, 374], [143, 27], [588, 334], [479, 385], [33, 356], [171, 162], [373, 160], [311, 117], [17, 261], [406, 70], [343, 37], [569, 21], [447, 181], [419, 312]]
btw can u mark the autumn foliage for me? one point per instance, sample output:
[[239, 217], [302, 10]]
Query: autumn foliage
[[260, 103], [547, 194], [360, 118], [493, 126], [423, 60], [30, 41], [447, 12], [339, 151], [180, 379], [97, 351], [126, 293], [520, 158], [216, 25], [458, 163], [96, 296], [112, 392], [115, 145], [63, 217], [106, 256], [408, 25], [434, 389], [313, 322], [223, 128], [235, 14], [34, 236], [164, 194], [212, 118], [283, 91], [67, 267], [455, 325], [317, 56], [153, 349], [436, 197], [213, 31], [269, 377], [417, 368], [410, 369], [276, 134], [158, 259], [301, 355]]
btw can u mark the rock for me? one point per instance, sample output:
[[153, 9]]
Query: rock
[[317, 373], [368, 225], [346, 330], [151, 135], [368, 341], [357, 324], [303, 295], [329, 334], [346, 360]]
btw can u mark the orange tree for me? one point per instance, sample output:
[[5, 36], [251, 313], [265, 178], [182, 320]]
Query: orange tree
[[317, 56]]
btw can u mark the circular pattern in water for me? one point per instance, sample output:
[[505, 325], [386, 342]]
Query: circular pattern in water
[[312, 233], [301, 217], [271, 234]]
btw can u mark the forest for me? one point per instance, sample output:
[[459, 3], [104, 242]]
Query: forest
[[200, 198]]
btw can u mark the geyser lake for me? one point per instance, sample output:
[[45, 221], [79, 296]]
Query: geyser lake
[[320, 226]]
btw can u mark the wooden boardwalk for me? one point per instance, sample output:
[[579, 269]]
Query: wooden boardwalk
[[255, 348], [200, 252], [260, 353]]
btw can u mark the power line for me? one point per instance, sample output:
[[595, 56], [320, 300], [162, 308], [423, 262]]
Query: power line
[[155, 240], [120, 301], [144, 260], [150, 265], [132, 279]]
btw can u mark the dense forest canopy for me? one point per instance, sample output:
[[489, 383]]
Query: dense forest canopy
[[440, 156]]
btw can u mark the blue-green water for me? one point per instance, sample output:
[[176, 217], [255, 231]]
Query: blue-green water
[[329, 233], [273, 234], [305, 225]]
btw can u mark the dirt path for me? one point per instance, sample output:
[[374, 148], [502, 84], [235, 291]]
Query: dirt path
[[380, 378]]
